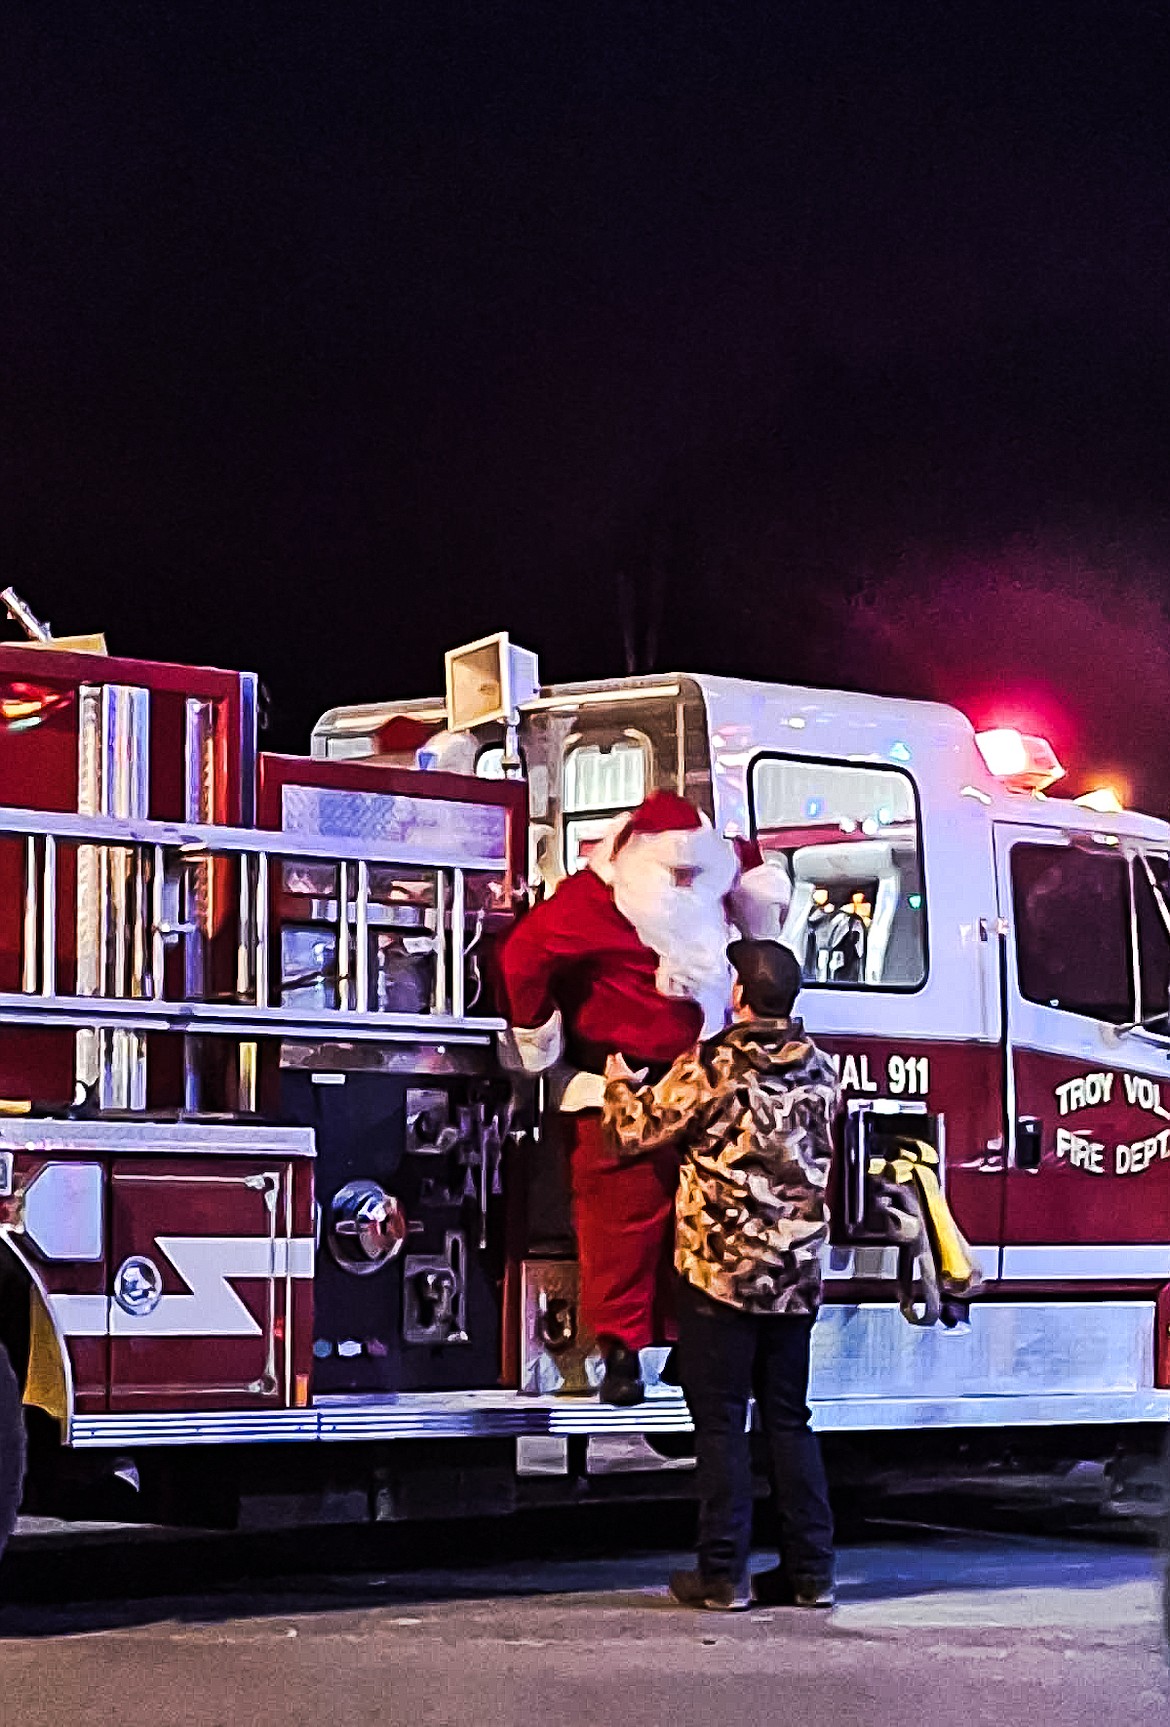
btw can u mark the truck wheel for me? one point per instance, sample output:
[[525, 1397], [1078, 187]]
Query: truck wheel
[[11, 1448]]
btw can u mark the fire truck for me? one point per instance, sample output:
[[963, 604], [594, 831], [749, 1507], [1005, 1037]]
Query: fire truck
[[279, 1224]]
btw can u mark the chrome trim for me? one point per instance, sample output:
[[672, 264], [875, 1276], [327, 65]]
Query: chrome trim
[[439, 998], [1121, 1261], [89, 871], [1044, 1409], [138, 1285], [593, 698], [249, 745], [361, 932], [504, 1414], [343, 955], [842, 1264], [49, 919], [289, 1341], [458, 958], [263, 890], [228, 1019], [211, 1427], [196, 837], [28, 967], [180, 1138]]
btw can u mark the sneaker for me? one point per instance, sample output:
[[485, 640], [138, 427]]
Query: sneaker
[[776, 1589], [717, 1594], [622, 1382]]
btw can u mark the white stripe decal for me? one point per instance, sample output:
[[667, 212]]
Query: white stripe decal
[[212, 1308], [81, 1315], [1125, 1261]]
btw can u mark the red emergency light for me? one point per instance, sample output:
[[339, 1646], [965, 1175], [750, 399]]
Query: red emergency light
[[1023, 763]]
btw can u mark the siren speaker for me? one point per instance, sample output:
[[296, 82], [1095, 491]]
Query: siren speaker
[[488, 680]]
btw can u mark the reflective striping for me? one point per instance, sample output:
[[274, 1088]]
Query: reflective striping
[[1047, 1264], [207, 1264]]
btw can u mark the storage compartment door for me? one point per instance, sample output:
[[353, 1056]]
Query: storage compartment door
[[202, 1278]]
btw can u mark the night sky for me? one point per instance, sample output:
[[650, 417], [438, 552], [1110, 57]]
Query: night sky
[[822, 342]]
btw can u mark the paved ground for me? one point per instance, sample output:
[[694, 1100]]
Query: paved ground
[[934, 1628]]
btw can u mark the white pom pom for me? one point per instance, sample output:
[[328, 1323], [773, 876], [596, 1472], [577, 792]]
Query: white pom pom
[[759, 900]]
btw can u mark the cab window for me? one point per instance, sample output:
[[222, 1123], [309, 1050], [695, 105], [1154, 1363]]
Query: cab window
[[489, 763], [1151, 886], [848, 835], [600, 781], [1072, 919]]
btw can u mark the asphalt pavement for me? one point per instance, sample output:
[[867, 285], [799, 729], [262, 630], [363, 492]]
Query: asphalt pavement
[[935, 1628]]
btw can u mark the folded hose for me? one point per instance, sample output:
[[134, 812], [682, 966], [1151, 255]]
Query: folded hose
[[908, 1207]]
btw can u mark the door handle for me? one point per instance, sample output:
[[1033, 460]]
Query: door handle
[[1029, 1142]]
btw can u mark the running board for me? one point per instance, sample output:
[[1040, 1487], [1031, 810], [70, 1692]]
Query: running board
[[507, 1415]]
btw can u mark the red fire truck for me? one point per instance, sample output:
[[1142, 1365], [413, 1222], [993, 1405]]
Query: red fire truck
[[278, 1224]]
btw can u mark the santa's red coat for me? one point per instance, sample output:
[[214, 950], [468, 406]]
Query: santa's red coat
[[576, 953]]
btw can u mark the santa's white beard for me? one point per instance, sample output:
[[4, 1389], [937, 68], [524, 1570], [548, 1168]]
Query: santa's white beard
[[685, 926]]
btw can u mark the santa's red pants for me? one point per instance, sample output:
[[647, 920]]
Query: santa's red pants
[[623, 1213]]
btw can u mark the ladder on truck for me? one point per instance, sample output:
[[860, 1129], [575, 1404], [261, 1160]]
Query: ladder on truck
[[144, 887]]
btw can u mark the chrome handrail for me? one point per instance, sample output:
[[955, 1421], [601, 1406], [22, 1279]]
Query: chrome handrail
[[197, 838], [154, 855]]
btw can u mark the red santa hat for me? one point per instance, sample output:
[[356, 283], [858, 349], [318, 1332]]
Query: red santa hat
[[670, 830], [663, 813]]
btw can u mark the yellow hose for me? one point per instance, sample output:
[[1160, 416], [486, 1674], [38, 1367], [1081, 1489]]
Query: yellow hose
[[914, 1165]]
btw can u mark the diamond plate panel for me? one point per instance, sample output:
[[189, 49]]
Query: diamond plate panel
[[411, 828]]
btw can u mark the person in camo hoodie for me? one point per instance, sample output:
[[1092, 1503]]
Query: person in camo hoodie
[[751, 1111]]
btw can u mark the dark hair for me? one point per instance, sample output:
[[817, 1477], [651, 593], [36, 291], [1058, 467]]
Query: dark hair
[[768, 974]]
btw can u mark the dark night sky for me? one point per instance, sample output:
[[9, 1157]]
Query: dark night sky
[[838, 334]]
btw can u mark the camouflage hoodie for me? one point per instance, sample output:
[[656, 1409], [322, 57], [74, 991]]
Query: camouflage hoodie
[[751, 1110]]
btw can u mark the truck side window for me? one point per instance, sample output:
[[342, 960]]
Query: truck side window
[[849, 836], [489, 763], [600, 781], [1150, 902], [1072, 930]]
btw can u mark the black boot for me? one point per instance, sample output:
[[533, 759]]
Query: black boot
[[776, 1589], [622, 1383]]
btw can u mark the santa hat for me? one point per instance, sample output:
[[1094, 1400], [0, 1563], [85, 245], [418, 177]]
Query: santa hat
[[761, 897], [671, 830], [402, 735], [664, 813]]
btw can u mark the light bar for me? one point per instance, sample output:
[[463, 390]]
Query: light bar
[[1023, 763], [1104, 801]]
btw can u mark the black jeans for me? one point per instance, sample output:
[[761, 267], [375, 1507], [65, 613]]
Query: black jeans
[[727, 1356]]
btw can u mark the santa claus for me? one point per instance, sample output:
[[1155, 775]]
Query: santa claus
[[629, 957]]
